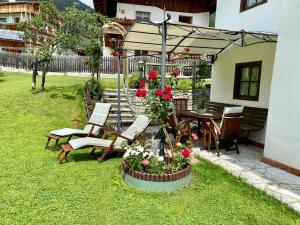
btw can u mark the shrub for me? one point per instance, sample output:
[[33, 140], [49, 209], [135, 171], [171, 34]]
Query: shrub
[[133, 80], [95, 88]]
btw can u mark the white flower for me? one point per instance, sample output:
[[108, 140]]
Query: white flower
[[145, 154], [140, 148], [160, 158]]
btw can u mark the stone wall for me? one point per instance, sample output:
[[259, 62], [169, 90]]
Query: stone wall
[[192, 97]]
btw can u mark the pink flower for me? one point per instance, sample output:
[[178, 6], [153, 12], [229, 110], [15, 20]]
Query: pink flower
[[175, 73], [146, 162], [152, 75], [142, 84], [186, 152], [195, 137], [159, 92]]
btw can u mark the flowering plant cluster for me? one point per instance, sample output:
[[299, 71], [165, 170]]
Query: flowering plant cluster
[[146, 159], [158, 101]]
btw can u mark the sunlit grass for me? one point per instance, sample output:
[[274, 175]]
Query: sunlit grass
[[35, 189]]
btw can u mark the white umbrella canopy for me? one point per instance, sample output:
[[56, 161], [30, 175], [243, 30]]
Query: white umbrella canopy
[[200, 40]]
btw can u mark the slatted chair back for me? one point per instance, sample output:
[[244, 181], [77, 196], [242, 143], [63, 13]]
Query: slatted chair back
[[172, 120], [135, 130], [99, 116], [230, 127]]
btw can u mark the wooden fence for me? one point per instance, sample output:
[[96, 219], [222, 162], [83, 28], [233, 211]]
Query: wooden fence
[[79, 64]]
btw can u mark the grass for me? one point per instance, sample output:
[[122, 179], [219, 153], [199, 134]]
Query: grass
[[35, 189]]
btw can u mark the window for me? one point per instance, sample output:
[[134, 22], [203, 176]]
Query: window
[[17, 20], [247, 81], [140, 53], [143, 15], [186, 19], [3, 20], [248, 4]]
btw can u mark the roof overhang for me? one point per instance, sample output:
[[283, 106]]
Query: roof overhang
[[146, 36]]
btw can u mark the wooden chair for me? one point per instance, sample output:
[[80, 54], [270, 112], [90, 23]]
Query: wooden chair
[[178, 128], [226, 135], [130, 135], [92, 128]]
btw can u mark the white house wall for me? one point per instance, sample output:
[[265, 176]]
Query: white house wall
[[129, 11], [283, 131], [263, 18], [223, 75]]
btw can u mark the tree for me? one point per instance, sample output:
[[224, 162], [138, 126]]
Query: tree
[[41, 33], [82, 30]]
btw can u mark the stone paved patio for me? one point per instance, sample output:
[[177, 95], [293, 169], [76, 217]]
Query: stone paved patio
[[282, 185]]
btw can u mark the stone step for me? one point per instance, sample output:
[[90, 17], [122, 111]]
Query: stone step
[[123, 104], [113, 100], [113, 94], [123, 115], [124, 121], [123, 109]]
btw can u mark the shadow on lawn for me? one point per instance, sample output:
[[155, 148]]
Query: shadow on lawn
[[61, 91], [86, 156]]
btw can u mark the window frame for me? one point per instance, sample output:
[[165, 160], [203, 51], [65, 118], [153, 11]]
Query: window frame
[[244, 6], [237, 80], [190, 18], [142, 13]]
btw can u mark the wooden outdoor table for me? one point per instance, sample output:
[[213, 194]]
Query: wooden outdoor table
[[201, 118]]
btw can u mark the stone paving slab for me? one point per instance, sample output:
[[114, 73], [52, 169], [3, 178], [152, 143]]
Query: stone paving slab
[[247, 165]]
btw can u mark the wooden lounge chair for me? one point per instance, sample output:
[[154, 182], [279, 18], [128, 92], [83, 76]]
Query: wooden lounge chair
[[226, 134], [129, 136], [92, 128], [178, 128]]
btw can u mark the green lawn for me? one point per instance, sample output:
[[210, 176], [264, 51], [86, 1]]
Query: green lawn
[[35, 189]]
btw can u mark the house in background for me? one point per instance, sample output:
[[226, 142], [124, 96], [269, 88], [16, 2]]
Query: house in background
[[125, 12], [11, 14], [264, 75]]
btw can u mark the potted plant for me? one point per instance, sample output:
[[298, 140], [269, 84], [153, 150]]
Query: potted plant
[[144, 168]]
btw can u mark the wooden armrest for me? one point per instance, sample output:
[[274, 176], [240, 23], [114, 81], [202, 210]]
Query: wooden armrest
[[94, 124], [115, 133], [215, 126], [184, 122]]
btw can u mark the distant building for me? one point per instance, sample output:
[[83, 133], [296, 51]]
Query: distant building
[[11, 14], [196, 12]]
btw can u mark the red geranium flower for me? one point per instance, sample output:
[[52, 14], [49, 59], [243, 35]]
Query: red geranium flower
[[142, 84], [114, 53], [186, 49], [167, 90], [175, 73], [167, 97], [138, 92], [159, 92], [186, 152], [152, 75], [143, 92]]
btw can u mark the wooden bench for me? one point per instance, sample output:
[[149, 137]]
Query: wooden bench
[[254, 118]]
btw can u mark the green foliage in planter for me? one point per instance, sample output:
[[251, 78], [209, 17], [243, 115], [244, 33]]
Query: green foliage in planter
[[133, 80], [95, 88]]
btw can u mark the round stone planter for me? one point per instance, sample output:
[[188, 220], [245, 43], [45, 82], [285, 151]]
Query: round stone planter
[[154, 182]]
